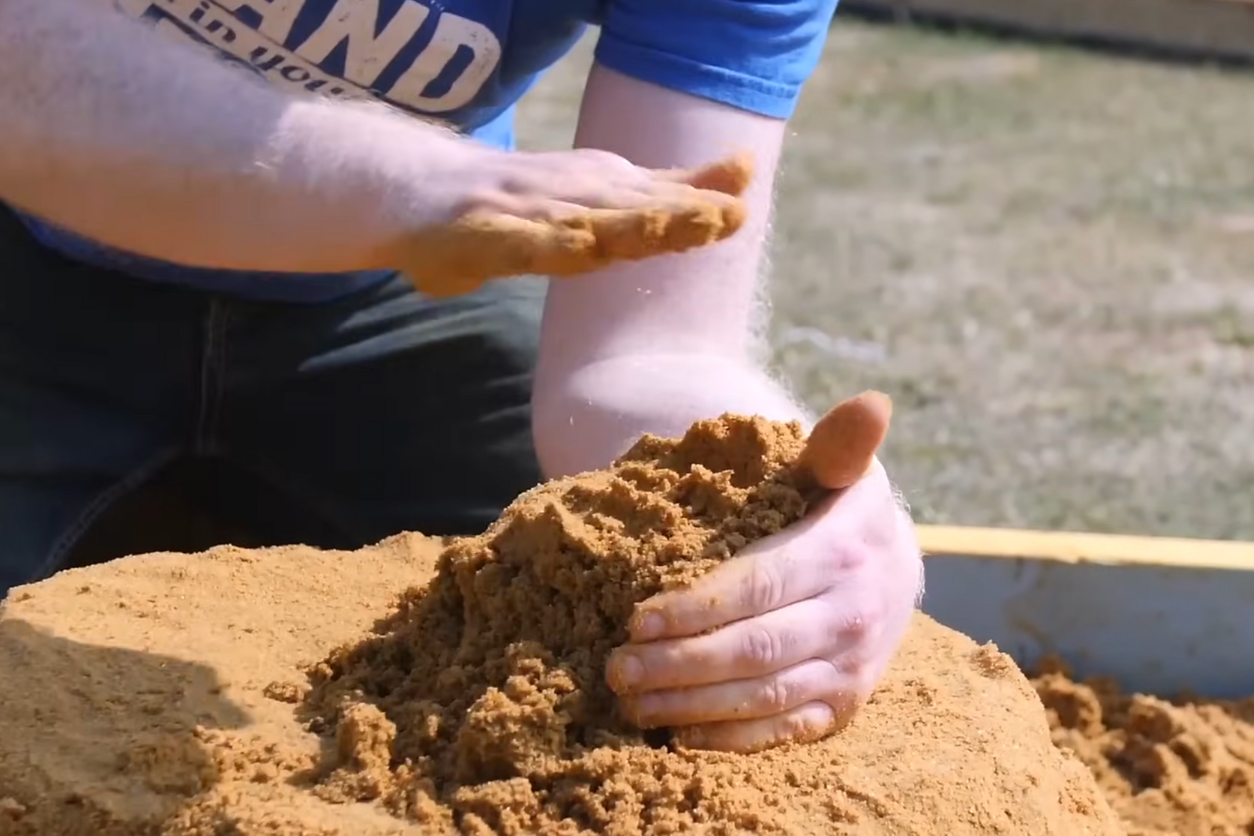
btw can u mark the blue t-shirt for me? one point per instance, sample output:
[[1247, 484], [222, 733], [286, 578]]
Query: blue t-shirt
[[468, 62]]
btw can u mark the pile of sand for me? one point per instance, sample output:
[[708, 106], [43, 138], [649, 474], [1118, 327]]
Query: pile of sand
[[245, 693], [1180, 767]]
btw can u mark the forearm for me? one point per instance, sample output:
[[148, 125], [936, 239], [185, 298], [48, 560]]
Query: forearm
[[710, 300], [602, 409], [126, 136], [652, 346]]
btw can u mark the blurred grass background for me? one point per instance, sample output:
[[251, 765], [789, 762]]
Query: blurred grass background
[[1046, 256]]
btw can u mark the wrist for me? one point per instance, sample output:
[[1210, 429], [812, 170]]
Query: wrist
[[585, 417], [388, 174]]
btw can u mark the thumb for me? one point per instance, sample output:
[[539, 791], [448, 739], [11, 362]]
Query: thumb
[[842, 446]]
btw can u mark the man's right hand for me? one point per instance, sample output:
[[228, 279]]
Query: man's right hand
[[569, 212]]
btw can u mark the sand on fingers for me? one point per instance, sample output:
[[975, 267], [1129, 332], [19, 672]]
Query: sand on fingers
[[459, 257]]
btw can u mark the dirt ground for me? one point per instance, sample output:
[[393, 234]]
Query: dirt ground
[[1046, 256]]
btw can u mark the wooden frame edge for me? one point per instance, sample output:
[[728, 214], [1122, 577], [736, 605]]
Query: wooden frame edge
[[1079, 547]]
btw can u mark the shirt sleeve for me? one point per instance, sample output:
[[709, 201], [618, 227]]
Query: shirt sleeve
[[750, 54]]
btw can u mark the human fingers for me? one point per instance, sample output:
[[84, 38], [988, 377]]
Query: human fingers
[[598, 179], [573, 212], [487, 245], [770, 574], [803, 724], [749, 648], [743, 699], [781, 570], [842, 446], [459, 258], [635, 229], [730, 175], [660, 225]]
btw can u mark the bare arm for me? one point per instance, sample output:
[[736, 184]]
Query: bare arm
[[652, 346], [149, 145], [122, 134]]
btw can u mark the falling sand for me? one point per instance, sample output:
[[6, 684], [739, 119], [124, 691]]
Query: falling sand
[[242, 693]]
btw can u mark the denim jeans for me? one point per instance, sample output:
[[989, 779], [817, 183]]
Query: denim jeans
[[140, 416]]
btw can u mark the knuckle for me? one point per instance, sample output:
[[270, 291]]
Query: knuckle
[[763, 588], [843, 707], [518, 183], [858, 626], [797, 726], [774, 695], [848, 558], [597, 158], [850, 627], [760, 648], [858, 674], [487, 200], [854, 668]]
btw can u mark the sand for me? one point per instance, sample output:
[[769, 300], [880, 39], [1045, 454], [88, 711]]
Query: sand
[[488, 243], [422, 687], [1178, 767]]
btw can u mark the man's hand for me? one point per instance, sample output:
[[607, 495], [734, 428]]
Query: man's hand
[[565, 213], [143, 143], [786, 640], [802, 624]]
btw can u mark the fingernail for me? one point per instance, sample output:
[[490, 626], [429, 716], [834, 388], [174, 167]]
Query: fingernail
[[648, 627], [625, 671]]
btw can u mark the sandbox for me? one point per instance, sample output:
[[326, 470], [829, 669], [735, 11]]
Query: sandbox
[[275, 691], [1139, 648]]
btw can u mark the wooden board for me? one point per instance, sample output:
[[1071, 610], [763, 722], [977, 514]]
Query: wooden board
[[1213, 30], [1160, 615], [1080, 547]]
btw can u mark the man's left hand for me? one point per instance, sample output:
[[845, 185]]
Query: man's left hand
[[786, 640]]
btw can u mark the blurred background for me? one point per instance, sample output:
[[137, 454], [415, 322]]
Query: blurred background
[[1045, 255]]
